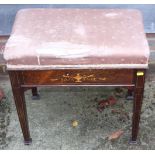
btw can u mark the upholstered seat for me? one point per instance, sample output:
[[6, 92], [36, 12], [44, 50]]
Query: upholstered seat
[[77, 38]]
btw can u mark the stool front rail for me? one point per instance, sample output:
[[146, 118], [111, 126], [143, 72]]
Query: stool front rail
[[22, 80]]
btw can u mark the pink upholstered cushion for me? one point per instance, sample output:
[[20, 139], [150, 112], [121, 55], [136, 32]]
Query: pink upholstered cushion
[[77, 38]]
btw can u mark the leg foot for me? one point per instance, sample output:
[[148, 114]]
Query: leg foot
[[28, 142], [133, 142], [130, 94], [129, 97], [35, 95]]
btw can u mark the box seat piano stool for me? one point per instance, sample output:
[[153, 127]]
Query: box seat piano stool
[[77, 47]]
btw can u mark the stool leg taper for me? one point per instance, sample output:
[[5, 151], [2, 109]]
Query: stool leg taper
[[138, 98], [19, 98]]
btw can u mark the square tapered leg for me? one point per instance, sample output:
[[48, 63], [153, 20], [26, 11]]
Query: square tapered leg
[[138, 98], [19, 98]]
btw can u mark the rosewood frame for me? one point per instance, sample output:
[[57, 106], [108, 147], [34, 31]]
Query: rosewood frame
[[22, 80]]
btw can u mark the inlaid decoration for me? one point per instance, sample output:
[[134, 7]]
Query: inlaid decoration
[[78, 78]]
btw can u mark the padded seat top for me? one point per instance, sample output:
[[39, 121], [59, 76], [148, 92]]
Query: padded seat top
[[77, 38]]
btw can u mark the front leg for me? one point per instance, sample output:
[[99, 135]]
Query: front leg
[[138, 98], [19, 98]]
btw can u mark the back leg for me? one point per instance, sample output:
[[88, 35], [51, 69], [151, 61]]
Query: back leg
[[130, 93], [35, 94]]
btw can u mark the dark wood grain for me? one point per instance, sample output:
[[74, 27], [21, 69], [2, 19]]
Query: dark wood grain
[[19, 98], [77, 77], [24, 80], [138, 98]]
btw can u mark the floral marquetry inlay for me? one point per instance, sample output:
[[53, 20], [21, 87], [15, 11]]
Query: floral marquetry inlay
[[87, 76], [79, 78]]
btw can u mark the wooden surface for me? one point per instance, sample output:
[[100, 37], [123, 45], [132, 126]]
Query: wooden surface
[[22, 80], [77, 77], [138, 99], [18, 93]]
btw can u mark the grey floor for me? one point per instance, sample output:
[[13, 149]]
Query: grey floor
[[50, 119]]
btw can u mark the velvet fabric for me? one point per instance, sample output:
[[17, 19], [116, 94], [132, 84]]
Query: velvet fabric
[[77, 38]]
